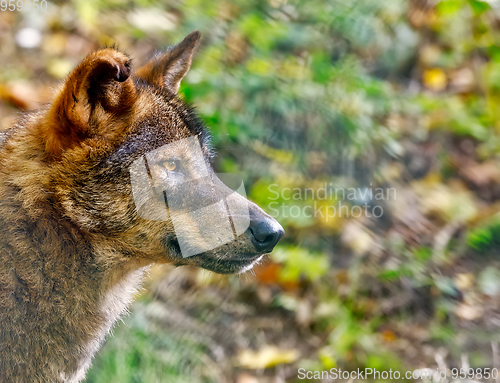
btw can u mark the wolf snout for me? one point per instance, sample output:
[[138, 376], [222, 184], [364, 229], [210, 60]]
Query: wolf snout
[[265, 233]]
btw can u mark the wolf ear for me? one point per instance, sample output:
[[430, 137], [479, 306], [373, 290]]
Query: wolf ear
[[168, 69], [97, 93]]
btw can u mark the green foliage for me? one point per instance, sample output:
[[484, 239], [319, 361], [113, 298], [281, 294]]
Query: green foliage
[[486, 236], [413, 266], [139, 351], [300, 263]]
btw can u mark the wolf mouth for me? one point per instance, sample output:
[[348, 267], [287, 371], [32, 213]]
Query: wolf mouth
[[227, 266], [249, 263], [243, 262], [246, 260], [209, 260]]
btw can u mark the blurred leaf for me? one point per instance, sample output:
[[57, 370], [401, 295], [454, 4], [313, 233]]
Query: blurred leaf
[[448, 7], [327, 358], [59, 68], [489, 281], [469, 312], [267, 356], [480, 238], [300, 262], [434, 79], [479, 7]]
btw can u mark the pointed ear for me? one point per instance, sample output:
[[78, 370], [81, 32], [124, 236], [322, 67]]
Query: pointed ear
[[168, 69], [99, 92]]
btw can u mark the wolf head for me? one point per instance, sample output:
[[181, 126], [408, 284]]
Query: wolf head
[[131, 167]]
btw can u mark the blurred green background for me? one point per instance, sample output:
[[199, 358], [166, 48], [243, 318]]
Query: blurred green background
[[304, 96]]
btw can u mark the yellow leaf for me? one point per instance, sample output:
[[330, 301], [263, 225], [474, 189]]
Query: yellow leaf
[[59, 68], [434, 79], [355, 236], [259, 66], [453, 202], [278, 155], [267, 356], [328, 217], [326, 355], [464, 281], [469, 312]]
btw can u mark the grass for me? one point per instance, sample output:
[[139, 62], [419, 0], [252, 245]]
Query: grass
[[141, 351]]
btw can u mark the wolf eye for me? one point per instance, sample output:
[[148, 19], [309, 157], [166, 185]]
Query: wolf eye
[[170, 165]]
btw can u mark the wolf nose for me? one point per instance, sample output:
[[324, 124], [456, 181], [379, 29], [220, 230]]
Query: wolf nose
[[265, 234]]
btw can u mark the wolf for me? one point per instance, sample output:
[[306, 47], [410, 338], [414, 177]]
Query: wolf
[[76, 240]]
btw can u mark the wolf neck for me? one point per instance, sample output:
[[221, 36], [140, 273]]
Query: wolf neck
[[65, 295]]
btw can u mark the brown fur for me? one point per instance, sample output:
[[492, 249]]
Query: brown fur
[[72, 247]]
